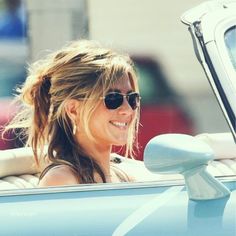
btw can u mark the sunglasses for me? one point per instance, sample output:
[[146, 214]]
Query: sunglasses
[[114, 100]]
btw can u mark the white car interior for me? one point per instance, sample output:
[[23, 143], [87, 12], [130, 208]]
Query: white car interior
[[18, 170]]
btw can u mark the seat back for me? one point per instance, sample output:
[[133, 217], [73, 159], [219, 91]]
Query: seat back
[[222, 144], [18, 169]]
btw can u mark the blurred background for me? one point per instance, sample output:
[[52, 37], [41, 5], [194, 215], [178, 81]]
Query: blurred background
[[176, 96]]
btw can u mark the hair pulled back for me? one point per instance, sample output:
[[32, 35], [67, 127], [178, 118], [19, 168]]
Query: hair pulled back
[[80, 70]]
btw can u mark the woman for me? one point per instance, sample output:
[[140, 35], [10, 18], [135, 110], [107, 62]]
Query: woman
[[80, 101]]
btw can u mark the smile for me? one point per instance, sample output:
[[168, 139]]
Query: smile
[[119, 124]]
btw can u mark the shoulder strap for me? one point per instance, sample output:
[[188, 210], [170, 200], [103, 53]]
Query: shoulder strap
[[49, 167], [54, 165]]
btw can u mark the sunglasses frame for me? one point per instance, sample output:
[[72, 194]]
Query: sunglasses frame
[[126, 96]]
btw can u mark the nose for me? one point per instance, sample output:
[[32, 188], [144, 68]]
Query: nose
[[125, 108]]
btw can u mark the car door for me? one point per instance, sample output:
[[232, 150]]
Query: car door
[[151, 208]]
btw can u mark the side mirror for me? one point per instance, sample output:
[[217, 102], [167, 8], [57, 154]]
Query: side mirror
[[186, 155]]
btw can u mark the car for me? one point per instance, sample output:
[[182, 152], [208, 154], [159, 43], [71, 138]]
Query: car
[[186, 184], [160, 104]]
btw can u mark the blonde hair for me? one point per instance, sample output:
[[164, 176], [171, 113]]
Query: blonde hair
[[82, 70]]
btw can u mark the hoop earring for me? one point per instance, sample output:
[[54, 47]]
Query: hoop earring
[[74, 129]]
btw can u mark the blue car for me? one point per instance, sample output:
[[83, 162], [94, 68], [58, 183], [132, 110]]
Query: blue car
[[186, 185]]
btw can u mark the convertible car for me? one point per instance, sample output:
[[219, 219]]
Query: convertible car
[[186, 185]]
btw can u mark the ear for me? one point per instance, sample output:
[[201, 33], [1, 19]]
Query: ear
[[72, 109]]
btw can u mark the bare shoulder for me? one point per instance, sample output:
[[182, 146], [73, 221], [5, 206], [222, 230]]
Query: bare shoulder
[[59, 176]]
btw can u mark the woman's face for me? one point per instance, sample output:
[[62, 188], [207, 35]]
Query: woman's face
[[110, 127]]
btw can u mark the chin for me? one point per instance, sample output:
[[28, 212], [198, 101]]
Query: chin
[[120, 143], [119, 140]]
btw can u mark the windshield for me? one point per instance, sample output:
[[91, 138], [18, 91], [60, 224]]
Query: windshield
[[230, 41]]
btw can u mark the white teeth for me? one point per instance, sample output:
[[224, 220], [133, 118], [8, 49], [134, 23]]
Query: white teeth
[[119, 124]]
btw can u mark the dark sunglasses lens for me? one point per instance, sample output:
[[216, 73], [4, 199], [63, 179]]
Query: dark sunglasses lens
[[133, 100], [113, 100]]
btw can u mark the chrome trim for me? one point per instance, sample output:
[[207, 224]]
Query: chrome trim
[[90, 187], [103, 187]]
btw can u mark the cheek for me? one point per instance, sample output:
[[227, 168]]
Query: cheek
[[100, 117]]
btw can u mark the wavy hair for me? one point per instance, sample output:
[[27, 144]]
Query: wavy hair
[[82, 70]]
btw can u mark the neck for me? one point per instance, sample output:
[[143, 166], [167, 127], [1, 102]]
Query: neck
[[102, 157], [99, 153]]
